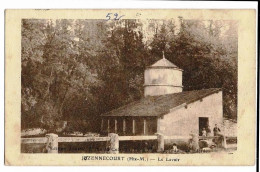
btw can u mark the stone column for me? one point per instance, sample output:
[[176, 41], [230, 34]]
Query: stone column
[[115, 126], [52, 143], [194, 142], [108, 125], [145, 127], [124, 126], [160, 139], [134, 126], [114, 143], [158, 125]]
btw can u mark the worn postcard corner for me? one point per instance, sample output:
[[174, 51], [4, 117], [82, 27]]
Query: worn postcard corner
[[130, 87]]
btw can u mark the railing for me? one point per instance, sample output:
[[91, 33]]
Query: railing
[[83, 139], [125, 138], [52, 140], [35, 140]]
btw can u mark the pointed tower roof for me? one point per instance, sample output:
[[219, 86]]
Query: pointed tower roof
[[163, 63]]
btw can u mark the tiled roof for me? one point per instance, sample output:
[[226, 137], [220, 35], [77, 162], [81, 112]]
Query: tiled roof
[[160, 105]]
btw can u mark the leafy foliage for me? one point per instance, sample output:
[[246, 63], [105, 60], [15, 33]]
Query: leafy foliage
[[77, 69]]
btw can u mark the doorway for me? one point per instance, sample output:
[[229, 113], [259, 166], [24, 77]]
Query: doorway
[[203, 123]]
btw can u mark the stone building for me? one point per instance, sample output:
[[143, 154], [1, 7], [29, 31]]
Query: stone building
[[166, 108]]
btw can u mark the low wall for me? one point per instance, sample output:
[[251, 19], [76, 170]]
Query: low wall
[[113, 144]]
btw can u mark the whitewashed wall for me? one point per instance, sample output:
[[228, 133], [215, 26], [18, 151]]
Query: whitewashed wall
[[160, 90], [183, 121], [162, 81]]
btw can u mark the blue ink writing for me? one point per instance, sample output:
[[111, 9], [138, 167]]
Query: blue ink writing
[[113, 16]]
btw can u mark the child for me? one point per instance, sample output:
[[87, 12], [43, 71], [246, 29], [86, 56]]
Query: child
[[204, 132], [174, 147]]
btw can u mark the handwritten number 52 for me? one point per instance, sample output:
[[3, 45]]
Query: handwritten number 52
[[116, 16]]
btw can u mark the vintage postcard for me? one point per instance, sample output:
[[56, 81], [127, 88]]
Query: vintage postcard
[[130, 87]]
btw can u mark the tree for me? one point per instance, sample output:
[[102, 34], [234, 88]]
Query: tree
[[123, 64], [163, 39], [208, 62], [52, 71]]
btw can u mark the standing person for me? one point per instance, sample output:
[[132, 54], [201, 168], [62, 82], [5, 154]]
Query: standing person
[[208, 130], [204, 132], [216, 130]]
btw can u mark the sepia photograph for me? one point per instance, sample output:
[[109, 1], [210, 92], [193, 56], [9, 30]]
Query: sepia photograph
[[130, 87]]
